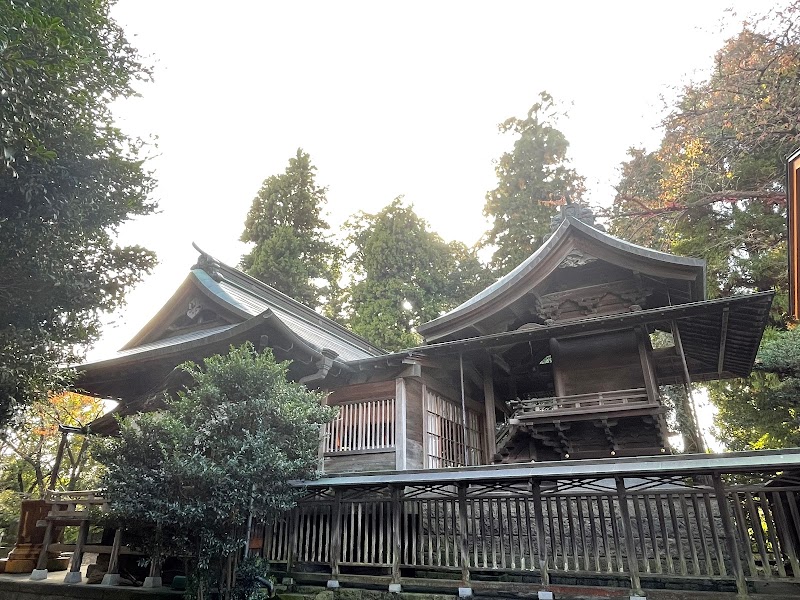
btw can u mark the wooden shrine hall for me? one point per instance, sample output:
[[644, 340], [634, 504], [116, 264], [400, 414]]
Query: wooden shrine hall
[[561, 358]]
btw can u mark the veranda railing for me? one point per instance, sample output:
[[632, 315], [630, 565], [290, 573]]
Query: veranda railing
[[732, 520]]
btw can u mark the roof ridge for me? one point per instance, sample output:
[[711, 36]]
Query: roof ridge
[[218, 270]]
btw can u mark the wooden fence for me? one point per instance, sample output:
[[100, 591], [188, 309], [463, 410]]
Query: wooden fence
[[686, 528]]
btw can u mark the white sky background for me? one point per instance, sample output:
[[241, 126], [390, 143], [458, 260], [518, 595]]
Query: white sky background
[[388, 98]]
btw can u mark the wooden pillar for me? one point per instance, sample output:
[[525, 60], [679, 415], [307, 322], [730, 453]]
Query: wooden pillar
[[336, 534], [541, 542], [153, 579], [630, 546], [689, 406], [464, 411], [74, 573], [397, 547], [40, 572], [292, 553], [489, 408], [463, 537], [112, 574], [730, 535]]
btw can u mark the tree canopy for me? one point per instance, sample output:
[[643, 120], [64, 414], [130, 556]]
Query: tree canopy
[[404, 275], [68, 179], [292, 251], [715, 188], [222, 451], [531, 180]]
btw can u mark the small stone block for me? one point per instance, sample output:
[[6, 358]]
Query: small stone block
[[152, 582], [395, 588], [110, 579], [38, 575], [179, 583], [287, 581], [464, 592], [545, 595], [634, 597], [72, 577], [332, 584]]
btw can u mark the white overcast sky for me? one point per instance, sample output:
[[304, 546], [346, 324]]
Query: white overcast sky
[[388, 98]]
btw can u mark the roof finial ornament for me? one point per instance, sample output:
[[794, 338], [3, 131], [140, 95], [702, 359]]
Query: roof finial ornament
[[206, 262], [576, 210]]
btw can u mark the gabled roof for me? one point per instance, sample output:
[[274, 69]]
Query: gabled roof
[[240, 297], [683, 278], [239, 308]]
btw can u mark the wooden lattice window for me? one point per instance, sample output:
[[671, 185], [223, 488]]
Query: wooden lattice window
[[365, 425], [447, 445]]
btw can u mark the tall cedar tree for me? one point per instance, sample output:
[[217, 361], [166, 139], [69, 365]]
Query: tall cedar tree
[[189, 478], [68, 179], [715, 189], [404, 275], [292, 252], [531, 180]]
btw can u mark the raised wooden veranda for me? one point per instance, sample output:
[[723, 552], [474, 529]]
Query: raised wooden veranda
[[692, 522]]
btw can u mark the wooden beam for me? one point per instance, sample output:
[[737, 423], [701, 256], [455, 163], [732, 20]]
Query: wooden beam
[[723, 337]]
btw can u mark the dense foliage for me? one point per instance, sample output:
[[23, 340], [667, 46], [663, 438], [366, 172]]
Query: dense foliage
[[715, 189], [68, 178], [531, 180], [404, 275], [763, 410], [292, 252], [188, 477]]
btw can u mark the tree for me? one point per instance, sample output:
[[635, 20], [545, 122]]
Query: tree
[[292, 252], [763, 410], [404, 275], [532, 179], [68, 179], [715, 189], [189, 477]]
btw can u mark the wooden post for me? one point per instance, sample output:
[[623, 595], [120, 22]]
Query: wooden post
[[153, 580], [730, 535], [463, 533], [541, 542], [112, 574], [630, 546], [40, 572], [292, 554], [336, 534], [464, 433], [397, 546], [74, 573], [696, 435], [489, 407]]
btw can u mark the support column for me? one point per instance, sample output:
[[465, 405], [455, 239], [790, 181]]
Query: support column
[[696, 435], [541, 542], [730, 535], [465, 589], [40, 572], [292, 550], [74, 573], [336, 536], [489, 408], [630, 546], [397, 546], [153, 579], [112, 574]]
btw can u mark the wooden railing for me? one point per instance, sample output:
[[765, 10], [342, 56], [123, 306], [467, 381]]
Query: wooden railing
[[594, 402], [365, 425], [696, 527]]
